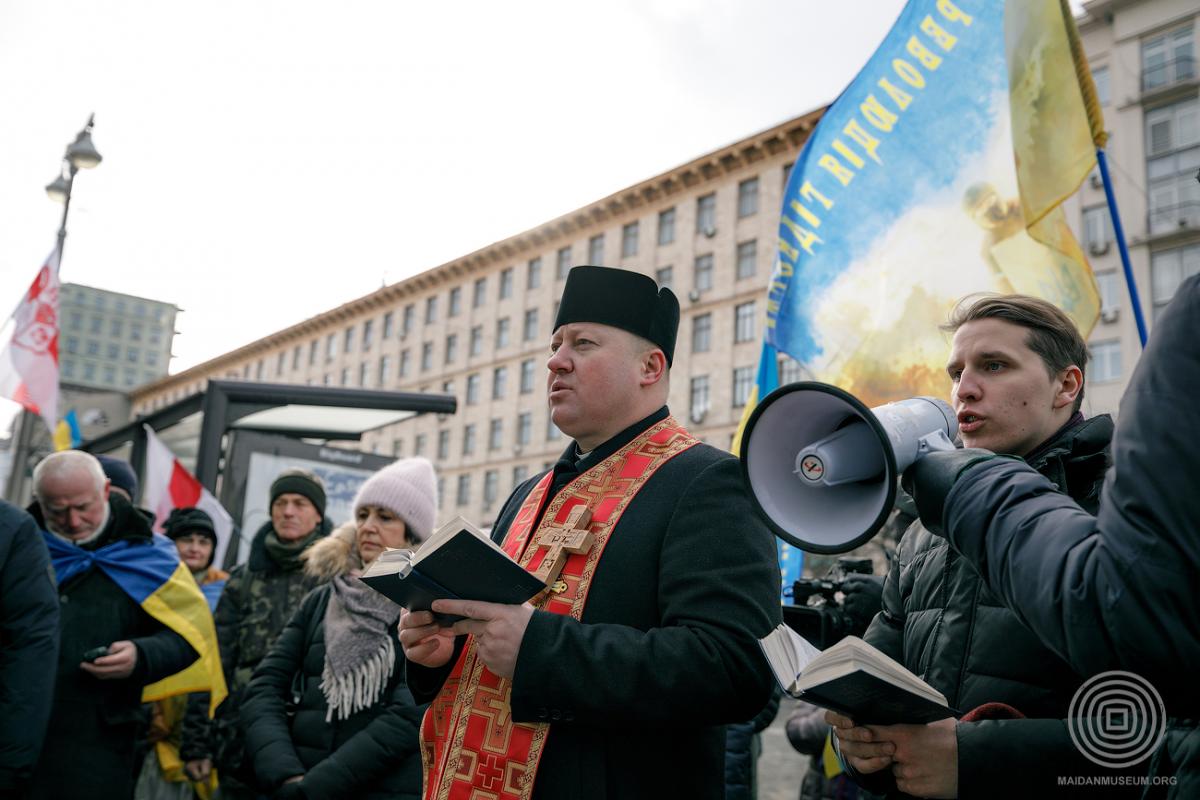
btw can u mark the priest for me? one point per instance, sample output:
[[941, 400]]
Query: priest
[[615, 681]]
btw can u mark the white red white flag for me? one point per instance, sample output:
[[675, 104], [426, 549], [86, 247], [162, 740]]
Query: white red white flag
[[29, 357], [168, 485]]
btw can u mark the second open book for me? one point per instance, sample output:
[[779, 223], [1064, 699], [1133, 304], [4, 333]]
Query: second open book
[[852, 678]]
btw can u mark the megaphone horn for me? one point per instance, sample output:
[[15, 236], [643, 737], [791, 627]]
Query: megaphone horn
[[821, 467]]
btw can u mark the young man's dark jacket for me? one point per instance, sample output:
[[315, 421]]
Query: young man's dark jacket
[[638, 691], [28, 645], [943, 624], [90, 741], [1117, 590], [374, 754], [259, 598]]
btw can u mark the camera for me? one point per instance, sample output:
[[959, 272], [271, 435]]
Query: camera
[[818, 613]]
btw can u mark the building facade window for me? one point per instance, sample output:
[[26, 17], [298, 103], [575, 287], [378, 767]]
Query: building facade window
[[368, 334], [596, 249], [527, 372], [706, 214], [524, 428], [629, 240], [463, 494], [455, 302], [562, 262], [1170, 268], [491, 487], [665, 277], [499, 382], [502, 327], [406, 323], [389, 325], [419, 444], [364, 375], [1168, 59], [385, 371], [699, 402], [476, 340], [747, 259], [743, 322], [1172, 155], [479, 294], [1109, 285], [519, 475], [506, 283], [702, 333], [529, 329], [451, 348], [426, 356], [405, 363], [468, 442], [748, 197], [1100, 79], [1106, 361], [533, 273], [743, 383], [495, 434], [348, 340], [666, 227], [702, 273], [297, 357], [552, 431], [443, 445], [330, 347], [790, 370], [1097, 229], [344, 379], [430, 310], [473, 388]]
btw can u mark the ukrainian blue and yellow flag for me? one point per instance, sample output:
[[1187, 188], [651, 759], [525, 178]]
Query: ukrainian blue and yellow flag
[[67, 435], [938, 173], [155, 578]]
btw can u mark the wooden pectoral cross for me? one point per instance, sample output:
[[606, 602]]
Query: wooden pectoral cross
[[560, 541]]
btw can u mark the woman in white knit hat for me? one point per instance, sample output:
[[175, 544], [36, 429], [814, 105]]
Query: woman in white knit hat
[[328, 713]]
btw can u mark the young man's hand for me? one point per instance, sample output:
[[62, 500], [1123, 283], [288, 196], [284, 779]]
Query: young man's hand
[[923, 758]]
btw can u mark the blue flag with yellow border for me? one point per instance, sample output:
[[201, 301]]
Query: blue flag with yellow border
[[154, 578]]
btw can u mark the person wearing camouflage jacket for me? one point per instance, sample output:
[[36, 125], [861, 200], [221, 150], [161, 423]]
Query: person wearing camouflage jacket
[[258, 600]]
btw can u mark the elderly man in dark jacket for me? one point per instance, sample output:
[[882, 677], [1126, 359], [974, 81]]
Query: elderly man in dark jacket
[[28, 646], [1016, 367], [1115, 591], [259, 598], [89, 750]]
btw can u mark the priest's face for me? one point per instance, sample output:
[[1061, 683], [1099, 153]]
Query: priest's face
[[593, 381]]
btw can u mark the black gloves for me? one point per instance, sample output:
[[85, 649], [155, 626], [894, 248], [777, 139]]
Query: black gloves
[[862, 600], [931, 477]]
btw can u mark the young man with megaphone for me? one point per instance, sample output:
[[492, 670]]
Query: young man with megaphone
[[1016, 369]]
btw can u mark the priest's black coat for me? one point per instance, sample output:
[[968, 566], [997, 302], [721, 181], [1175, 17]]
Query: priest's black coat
[[638, 691]]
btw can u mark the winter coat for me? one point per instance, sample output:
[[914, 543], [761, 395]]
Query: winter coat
[[372, 754], [259, 598], [28, 645], [90, 742], [1115, 591], [743, 745], [944, 625]]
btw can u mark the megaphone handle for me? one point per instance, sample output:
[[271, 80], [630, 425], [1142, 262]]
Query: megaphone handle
[[933, 442]]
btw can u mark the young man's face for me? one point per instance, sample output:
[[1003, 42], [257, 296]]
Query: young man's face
[[592, 381], [1005, 399], [294, 516]]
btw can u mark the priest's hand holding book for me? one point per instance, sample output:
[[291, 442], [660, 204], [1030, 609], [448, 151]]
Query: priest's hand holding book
[[498, 630]]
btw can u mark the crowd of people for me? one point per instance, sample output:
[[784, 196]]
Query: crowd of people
[[1040, 556]]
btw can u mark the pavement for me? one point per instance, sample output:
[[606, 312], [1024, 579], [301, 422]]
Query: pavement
[[780, 768]]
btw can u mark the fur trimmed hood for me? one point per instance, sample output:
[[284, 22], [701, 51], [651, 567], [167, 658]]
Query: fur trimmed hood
[[334, 555]]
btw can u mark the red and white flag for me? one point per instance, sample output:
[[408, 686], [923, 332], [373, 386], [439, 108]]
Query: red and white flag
[[29, 358], [168, 485]]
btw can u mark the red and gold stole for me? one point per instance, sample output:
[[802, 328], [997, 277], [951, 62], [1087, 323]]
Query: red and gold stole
[[470, 746]]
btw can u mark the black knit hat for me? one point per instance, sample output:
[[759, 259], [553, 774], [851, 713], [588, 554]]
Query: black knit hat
[[623, 299], [120, 474], [186, 520], [302, 482]]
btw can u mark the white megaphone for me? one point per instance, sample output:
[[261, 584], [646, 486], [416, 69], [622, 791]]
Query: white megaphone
[[821, 467]]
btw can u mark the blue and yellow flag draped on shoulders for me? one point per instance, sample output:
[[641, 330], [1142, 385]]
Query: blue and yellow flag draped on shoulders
[[938, 173], [154, 578]]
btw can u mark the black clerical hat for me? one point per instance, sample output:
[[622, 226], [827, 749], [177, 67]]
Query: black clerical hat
[[627, 300]]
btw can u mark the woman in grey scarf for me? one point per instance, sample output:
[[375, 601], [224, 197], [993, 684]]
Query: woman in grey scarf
[[327, 713]]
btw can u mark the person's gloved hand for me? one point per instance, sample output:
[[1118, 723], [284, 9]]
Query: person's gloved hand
[[931, 477], [862, 599]]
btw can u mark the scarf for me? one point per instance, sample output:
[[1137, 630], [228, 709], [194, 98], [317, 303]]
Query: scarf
[[286, 555], [359, 650]]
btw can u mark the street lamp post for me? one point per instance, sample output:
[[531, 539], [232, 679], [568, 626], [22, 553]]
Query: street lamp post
[[80, 154]]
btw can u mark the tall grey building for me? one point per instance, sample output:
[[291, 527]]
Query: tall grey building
[[111, 340]]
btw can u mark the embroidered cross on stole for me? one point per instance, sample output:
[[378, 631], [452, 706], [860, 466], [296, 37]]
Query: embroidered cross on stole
[[470, 745]]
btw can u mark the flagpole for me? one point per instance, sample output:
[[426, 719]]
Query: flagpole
[[1119, 232]]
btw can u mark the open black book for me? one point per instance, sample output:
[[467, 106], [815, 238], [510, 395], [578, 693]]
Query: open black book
[[459, 562], [852, 678]]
